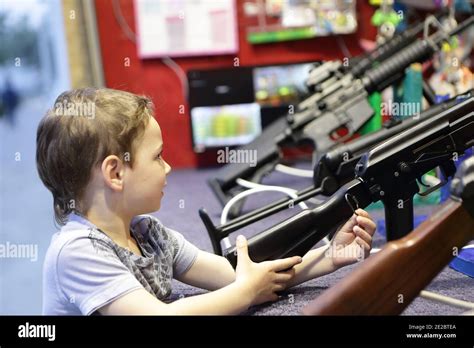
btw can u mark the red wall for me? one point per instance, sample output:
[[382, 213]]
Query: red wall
[[151, 77]]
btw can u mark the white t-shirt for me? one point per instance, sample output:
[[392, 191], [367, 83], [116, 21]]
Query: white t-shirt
[[84, 269]]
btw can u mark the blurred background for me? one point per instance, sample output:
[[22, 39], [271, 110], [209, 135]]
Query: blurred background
[[34, 69], [218, 81]]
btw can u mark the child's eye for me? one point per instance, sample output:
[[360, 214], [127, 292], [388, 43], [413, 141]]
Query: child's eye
[[159, 155]]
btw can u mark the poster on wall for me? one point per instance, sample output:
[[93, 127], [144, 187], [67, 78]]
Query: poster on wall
[[177, 28]]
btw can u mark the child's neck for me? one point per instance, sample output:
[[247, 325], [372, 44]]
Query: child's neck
[[117, 227]]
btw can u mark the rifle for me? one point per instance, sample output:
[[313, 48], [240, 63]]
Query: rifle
[[328, 74], [377, 287], [332, 171], [342, 104], [390, 172]]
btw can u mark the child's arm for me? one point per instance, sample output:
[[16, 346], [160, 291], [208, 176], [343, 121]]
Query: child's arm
[[226, 301], [209, 271], [254, 283], [212, 272], [350, 244]]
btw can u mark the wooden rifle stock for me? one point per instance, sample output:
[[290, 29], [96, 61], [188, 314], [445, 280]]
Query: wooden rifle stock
[[387, 282]]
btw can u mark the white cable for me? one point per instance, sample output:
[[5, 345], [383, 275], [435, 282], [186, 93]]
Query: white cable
[[238, 197], [252, 185], [247, 184], [258, 188], [254, 190], [449, 300], [122, 22], [446, 299], [294, 171], [180, 73], [342, 45]]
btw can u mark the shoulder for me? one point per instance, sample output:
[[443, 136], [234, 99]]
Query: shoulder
[[76, 241], [73, 250], [83, 265]]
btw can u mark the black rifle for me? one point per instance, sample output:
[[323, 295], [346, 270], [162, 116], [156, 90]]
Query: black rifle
[[341, 104], [390, 173], [332, 171], [374, 287]]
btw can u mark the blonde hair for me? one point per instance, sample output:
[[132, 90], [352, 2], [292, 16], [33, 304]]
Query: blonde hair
[[83, 128]]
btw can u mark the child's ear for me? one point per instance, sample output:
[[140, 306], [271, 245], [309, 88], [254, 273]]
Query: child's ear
[[112, 171]]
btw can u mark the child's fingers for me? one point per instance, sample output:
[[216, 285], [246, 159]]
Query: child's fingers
[[367, 224], [362, 212], [349, 223], [363, 244], [279, 287], [242, 249], [364, 235], [284, 264], [282, 277], [274, 297]]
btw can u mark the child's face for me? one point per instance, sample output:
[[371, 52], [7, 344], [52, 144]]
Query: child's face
[[144, 183]]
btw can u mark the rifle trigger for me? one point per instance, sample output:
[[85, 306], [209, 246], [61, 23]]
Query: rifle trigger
[[433, 188], [420, 180], [352, 201]]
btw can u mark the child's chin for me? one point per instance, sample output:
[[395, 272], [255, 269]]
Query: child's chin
[[152, 209]]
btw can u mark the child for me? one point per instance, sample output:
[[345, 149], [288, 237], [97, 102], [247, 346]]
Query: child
[[100, 153]]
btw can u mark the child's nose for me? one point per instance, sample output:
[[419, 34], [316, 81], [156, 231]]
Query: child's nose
[[167, 168]]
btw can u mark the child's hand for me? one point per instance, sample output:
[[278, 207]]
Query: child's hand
[[353, 241], [262, 280]]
